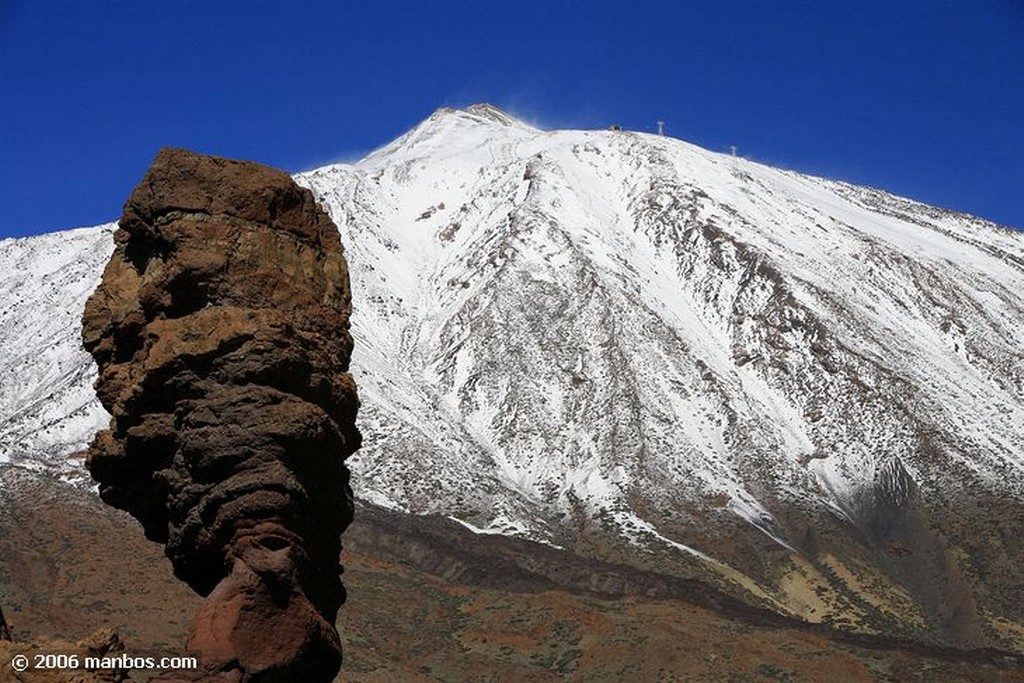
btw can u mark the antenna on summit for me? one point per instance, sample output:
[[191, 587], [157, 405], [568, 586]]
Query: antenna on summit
[[661, 128], [732, 149]]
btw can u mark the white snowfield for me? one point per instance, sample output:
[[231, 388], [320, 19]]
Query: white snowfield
[[627, 325]]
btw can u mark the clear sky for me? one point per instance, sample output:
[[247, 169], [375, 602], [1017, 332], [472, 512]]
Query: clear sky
[[921, 97]]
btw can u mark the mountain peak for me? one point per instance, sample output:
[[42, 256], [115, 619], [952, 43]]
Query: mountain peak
[[482, 112], [451, 131], [490, 112]]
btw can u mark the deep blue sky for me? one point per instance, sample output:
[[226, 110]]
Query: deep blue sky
[[921, 97]]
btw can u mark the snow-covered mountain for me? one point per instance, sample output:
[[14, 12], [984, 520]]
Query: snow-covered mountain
[[48, 409], [807, 392]]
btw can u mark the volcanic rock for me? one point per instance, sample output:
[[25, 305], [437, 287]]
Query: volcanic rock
[[221, 333]]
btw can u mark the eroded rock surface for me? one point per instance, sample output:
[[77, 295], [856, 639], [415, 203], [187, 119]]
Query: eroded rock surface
[[221, 332]]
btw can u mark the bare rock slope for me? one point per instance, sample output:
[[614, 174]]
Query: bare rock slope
[[220, 329]]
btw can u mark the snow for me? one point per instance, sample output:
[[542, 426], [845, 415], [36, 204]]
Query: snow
[[565, 209], [47, 406], [547, 318]]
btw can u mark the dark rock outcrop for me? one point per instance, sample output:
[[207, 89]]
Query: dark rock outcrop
[[221, 332]]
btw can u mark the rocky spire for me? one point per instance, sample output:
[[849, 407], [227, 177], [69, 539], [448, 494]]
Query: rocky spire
[[221, 332]]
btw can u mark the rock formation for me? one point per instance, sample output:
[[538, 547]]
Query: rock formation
[[221, 332]]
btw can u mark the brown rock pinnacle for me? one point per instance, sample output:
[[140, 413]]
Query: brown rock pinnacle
[[221, 332]]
